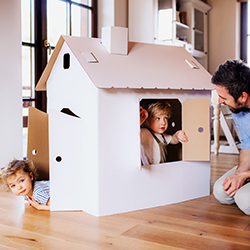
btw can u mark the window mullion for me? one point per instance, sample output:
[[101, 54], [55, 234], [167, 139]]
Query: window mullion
[[94, 18]]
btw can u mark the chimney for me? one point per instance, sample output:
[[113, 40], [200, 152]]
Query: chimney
[[115, 39]]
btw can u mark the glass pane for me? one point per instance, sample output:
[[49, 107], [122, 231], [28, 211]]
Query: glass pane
[[199, 41], [27, 15], [27, 24], [27, 71], [57, 20], [80, 21], [199, 29], [199, 20]]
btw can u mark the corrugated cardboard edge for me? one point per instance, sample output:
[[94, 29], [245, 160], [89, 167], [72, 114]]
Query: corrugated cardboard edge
[[38, 140], [42, 83]]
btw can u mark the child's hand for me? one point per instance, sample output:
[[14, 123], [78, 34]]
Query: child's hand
[[143, 115], [181, 136], [33, 202], [36, 205]]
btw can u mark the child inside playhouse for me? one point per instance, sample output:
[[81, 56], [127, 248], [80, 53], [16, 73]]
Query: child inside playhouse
[[154, 140], [20, 177]]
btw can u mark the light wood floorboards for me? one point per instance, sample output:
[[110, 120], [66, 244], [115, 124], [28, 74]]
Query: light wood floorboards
[[197, 224]]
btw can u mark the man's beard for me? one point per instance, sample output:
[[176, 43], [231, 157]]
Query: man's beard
[[243, 108]]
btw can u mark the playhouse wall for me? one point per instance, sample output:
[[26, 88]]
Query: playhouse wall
[[122, 185], [74, 139]]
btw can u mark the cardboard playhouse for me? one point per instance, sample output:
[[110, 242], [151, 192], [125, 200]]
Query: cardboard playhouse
[[94, 89]]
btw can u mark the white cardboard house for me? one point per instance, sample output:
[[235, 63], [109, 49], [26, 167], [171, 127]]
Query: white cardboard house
[[94, 125]]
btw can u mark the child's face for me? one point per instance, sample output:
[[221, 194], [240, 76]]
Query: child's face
[[159, 123], [21, 183]]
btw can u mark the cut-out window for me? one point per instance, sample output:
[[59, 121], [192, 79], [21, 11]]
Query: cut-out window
[[164, 120], [34, 152], [67, 111], [66, 61], [58, 158]]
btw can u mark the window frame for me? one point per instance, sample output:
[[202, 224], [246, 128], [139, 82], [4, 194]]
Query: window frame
[[40, 50]]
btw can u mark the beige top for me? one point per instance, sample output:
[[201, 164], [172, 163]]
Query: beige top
[[150, 151]]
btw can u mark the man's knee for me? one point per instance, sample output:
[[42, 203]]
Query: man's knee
[[218, 188], [219, 193], [242, 199]]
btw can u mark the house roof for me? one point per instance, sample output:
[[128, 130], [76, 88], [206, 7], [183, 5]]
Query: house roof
[[147, 66]]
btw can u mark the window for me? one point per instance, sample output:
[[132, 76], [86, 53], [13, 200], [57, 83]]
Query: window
[[28, 52], [74, 18], [43, 22], [164, 119]]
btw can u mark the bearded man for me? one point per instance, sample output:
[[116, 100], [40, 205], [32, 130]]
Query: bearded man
[[232, 83]]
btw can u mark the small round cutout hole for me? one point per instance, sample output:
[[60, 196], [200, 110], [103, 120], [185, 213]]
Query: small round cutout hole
[[173, 124], [58, 158], [34, 152], [200, 129]]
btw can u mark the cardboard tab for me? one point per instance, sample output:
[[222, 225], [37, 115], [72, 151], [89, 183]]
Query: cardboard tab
[[89, 57], [192, 64]]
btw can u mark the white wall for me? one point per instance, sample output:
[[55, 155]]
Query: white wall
[[224, 32], [10, 81], [121, 13], [122, 186], [141, 20], [112, 13]]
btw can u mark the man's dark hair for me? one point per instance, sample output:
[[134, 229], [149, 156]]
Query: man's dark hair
[[235, 76]]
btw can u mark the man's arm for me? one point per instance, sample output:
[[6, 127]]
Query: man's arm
[[233, 182]]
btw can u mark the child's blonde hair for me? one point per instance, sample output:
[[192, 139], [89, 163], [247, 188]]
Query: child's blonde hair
[[17, 165], [160, 107]]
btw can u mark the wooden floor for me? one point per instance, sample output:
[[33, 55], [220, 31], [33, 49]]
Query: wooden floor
[[197, 224]]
